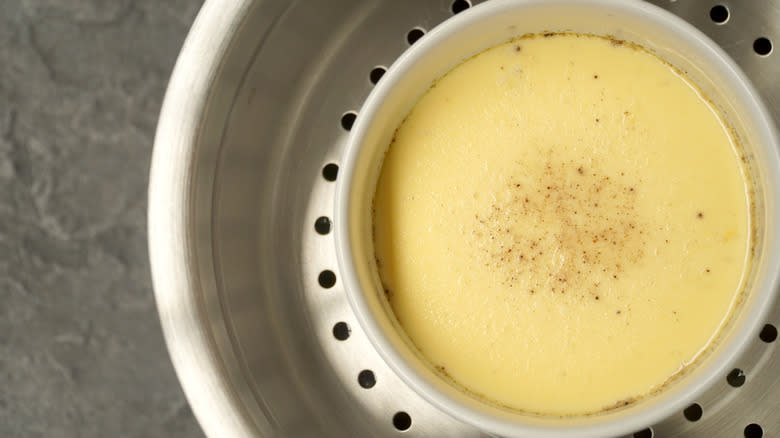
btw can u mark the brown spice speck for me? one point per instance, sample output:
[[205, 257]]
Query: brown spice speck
[[518, 48], [700, 215], [560, 200]]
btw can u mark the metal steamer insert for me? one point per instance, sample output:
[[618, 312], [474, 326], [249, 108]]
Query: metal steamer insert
[[292, 357], [729, 409]]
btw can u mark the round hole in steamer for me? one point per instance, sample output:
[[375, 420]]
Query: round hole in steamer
[[693, 412], [644, 433], [460, 6], [719, 14], [414, 35], [753, 431], [736, 378], [341, 331], [376, 74], [327, 279], [768, 333], [367, 379], [348, 119], [402, 421], [322, 225], [762, 46], [330, 172]]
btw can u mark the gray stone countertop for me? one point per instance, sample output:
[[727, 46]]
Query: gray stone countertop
[[81, 351]]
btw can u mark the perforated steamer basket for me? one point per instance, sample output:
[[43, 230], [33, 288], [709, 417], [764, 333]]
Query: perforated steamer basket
[[249, 292]]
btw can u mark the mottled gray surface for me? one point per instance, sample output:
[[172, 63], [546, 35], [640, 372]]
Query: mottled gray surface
[[81, 351]]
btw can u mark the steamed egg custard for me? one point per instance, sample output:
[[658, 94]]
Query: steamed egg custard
[[562, 224]]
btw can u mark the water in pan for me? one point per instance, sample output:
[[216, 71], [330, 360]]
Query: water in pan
[[291, 315]]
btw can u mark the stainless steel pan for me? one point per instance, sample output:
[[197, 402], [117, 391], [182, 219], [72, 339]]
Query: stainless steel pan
[[263, 344]]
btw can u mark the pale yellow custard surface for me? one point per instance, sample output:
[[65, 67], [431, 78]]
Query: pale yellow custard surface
[[562, 224]]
